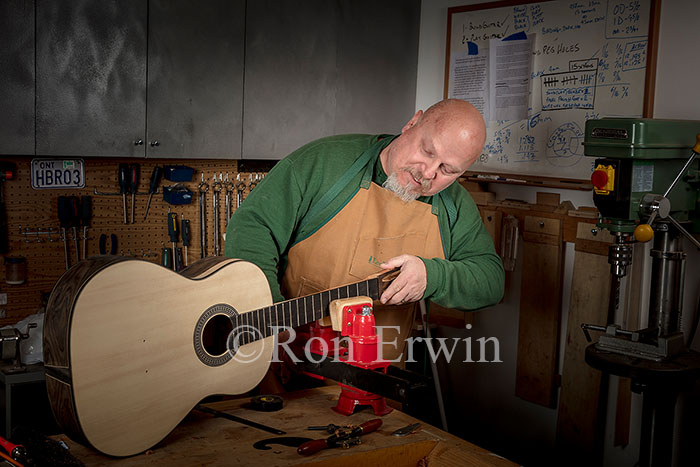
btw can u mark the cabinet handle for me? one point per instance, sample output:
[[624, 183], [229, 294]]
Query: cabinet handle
[[155, 143], [138, 142]]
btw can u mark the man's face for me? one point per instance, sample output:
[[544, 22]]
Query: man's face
[[427, 160]]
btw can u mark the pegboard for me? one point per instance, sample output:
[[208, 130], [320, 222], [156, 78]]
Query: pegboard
[[37, 210]]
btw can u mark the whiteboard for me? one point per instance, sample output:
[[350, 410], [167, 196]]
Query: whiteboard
[[589, 60]]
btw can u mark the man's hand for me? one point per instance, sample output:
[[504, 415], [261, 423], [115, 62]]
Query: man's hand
[[409, 285]]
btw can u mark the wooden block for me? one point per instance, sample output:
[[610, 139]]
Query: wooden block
[[548, 199], [540, 303], [482, 198], [578, 407]]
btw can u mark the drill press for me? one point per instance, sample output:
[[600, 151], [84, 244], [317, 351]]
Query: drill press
[[646, 183]]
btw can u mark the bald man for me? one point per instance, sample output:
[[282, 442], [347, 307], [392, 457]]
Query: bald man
[[344, 207]]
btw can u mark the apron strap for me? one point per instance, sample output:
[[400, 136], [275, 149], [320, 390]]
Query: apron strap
[[449, 207], [363, 161]]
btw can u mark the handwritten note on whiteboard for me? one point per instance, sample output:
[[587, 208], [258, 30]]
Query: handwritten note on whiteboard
[[588, 61]]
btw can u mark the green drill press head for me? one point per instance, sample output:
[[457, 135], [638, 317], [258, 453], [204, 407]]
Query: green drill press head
[[637, 157]]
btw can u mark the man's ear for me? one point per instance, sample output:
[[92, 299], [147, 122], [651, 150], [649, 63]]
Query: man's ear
[[412, 121]]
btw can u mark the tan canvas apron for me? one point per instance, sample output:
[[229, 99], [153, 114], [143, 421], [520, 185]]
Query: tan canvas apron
[[372, 228]]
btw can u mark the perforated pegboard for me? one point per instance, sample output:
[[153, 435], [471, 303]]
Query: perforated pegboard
[[37, 210]]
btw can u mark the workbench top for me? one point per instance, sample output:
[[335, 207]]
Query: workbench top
[[202, 439]]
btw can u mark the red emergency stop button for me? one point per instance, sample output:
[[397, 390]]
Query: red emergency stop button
[[599, 178]]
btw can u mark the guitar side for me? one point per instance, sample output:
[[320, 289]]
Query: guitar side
[[122, 367]]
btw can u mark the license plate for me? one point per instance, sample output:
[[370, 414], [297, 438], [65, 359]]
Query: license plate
[[57, 173]]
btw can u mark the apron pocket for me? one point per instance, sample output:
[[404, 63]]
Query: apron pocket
[[371, 252]]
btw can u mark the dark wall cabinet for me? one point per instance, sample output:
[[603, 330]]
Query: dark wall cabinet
[[317, 67], [17, 77], [201, 79], [158, 78]]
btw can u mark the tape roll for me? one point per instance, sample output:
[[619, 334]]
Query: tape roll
[[266, 403]]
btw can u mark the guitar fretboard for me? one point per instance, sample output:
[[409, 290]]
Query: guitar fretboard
[[265, 322]]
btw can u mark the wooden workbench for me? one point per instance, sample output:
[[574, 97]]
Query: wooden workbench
[[204, 440]]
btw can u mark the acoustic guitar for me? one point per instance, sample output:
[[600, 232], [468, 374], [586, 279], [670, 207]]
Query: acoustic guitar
[[131, 347]]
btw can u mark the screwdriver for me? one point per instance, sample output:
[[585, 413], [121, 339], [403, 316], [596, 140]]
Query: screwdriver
[[153, 186], [85, 217], [185, 235], [75, 222], [64, 219], [173, 230], [123, 177], [133, 186]]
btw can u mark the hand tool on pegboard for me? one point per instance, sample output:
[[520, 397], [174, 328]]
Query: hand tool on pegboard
[[64, 219], [166, 257], [173, 233], [203, 188], [153, 187], [240, 187], [134, 172], [185, 224], [103, 244], [123, 177], [216, 189], [229, 190], [85, 217], [75, 222], [7, 172]]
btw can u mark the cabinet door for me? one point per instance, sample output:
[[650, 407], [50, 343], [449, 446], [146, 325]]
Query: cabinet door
[[17, 77], [290, 75], [195, 78], [377, 65], [323, 67], [91, 77]]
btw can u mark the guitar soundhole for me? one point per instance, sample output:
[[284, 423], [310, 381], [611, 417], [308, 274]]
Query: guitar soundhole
[[211, 334], [215, 335]]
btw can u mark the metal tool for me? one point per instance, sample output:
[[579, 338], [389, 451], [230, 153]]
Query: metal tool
[[229, 189], [16, 451], [153, 187], [74, 221], [330, 428], [85, 217], [123, 178], [218, 413], [407, 430], [185, 224], [173, 233], [240, 187], [343, 438], [166, 257], [64, 219], [10, 347], [216, 188], [133, 186], [203, 187]]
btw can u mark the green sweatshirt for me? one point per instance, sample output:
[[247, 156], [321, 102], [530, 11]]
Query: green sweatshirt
[[284, 209]]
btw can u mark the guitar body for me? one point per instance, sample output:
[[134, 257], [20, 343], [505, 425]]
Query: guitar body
[[125, 346]]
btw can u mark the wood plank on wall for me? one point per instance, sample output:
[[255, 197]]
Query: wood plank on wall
[[540, 306], [578, 407]]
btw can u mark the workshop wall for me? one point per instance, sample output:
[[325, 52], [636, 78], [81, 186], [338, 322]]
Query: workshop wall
[[29, 210], [482, 405]]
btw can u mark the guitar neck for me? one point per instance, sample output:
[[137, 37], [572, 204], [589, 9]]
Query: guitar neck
[[299, 311]]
